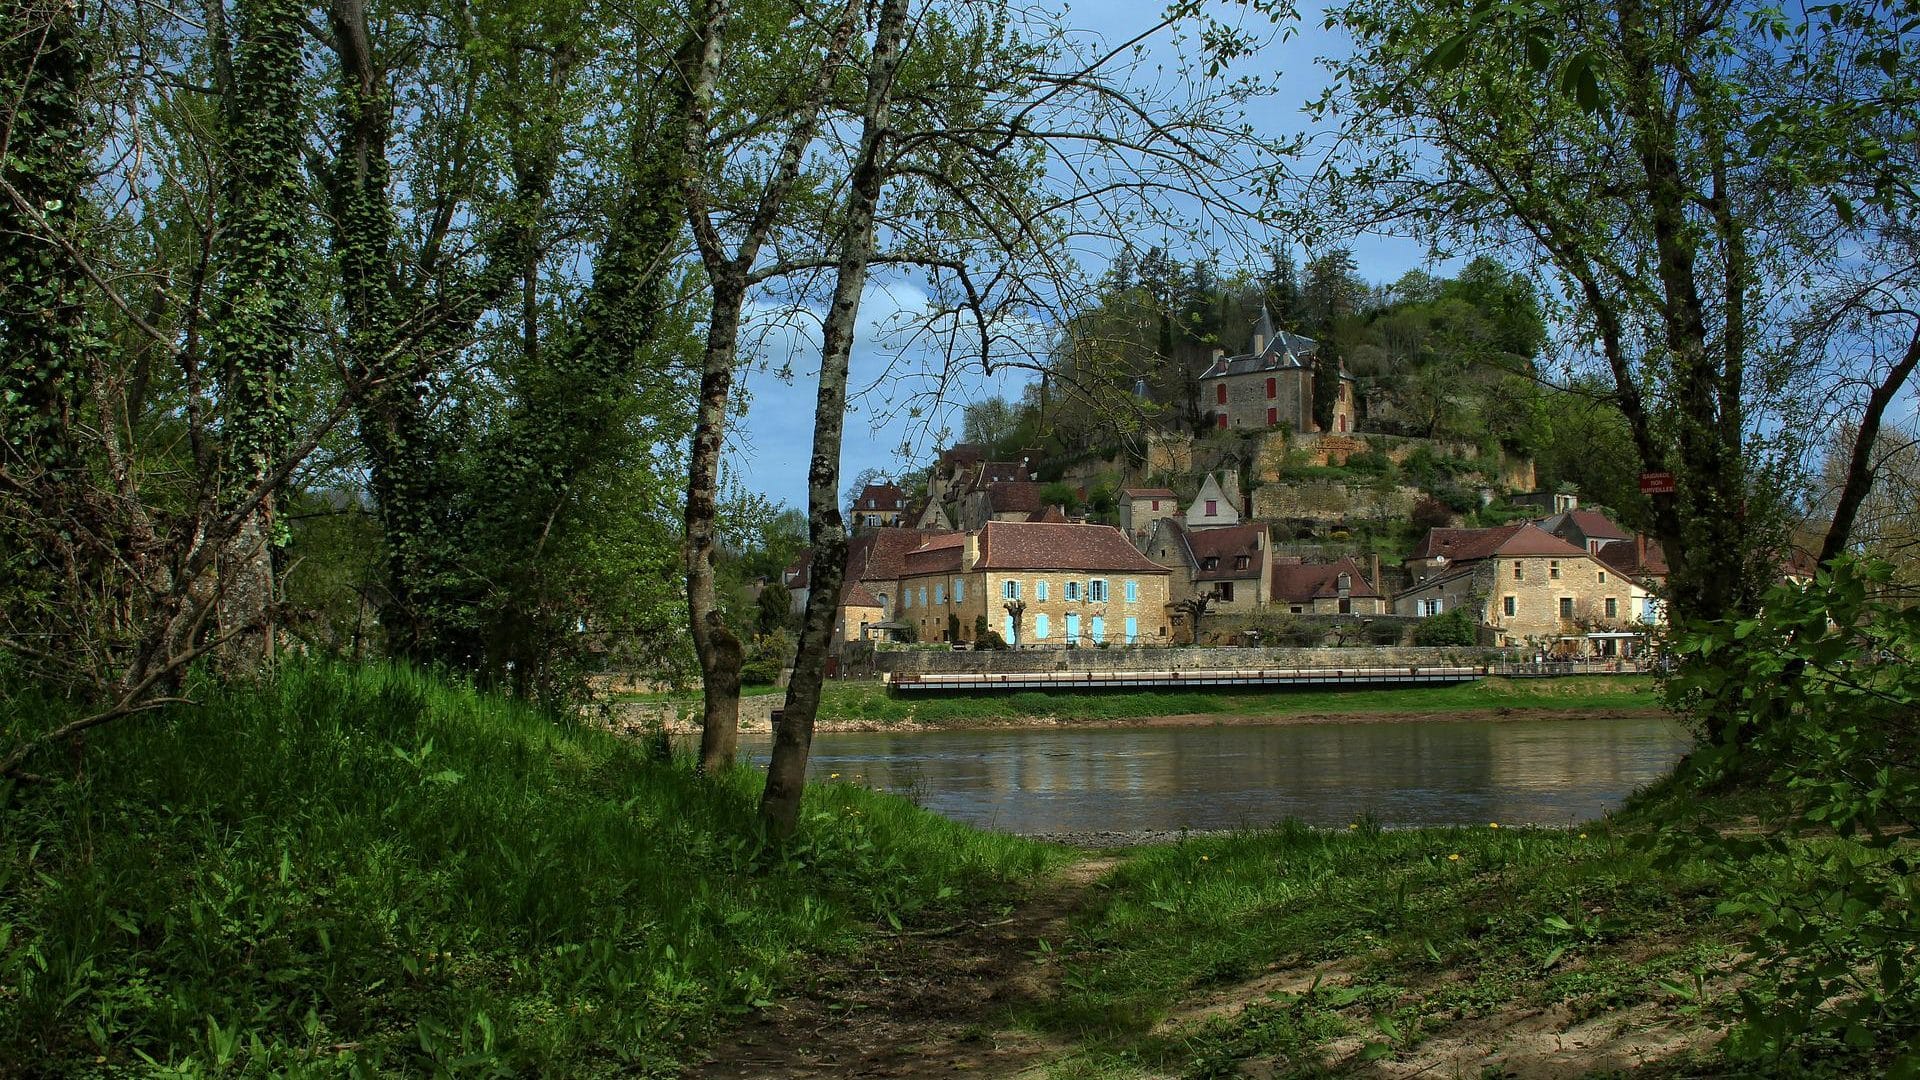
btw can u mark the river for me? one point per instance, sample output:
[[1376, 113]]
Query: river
[[1084, 780]]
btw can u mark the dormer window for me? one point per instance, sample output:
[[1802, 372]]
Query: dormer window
[[1213, 508], [1210, 563], [1343, 583], [1239, 562]]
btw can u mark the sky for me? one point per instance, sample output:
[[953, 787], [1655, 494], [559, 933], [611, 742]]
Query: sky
[[895, 421]]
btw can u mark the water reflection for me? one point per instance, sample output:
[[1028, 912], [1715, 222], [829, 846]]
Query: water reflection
[[1047, 780]]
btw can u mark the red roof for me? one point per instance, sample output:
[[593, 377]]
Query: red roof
[[1300, 583], [1031, 545], [1051, 513], [1591, 524], [1467, 545], [1149, 493]]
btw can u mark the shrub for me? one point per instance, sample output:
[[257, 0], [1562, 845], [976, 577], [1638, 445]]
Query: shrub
[[1430, 513], [1449, 628], [1384, 632]]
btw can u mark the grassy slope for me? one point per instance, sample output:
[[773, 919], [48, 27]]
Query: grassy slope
[[867, 702], [1383, 939], [370, 871]]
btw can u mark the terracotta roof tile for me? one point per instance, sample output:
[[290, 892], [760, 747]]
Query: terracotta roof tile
[[1624, 556], [940, 554], [881, 497], [1026, 545], [857, 595], [1013, 497], [882, 554], [1149, 493], [1300, 583], [1237, 551], [1468, 545]]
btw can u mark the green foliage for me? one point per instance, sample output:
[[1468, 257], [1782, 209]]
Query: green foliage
[[1823, 689], [1457, 627], [370, 872]]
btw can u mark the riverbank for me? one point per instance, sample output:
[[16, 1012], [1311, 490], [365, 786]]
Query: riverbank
[[862, 706]]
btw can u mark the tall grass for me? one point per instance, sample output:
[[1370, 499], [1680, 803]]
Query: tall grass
[[367, 871]]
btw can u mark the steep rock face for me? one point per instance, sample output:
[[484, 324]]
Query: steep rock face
[[1330, 503]]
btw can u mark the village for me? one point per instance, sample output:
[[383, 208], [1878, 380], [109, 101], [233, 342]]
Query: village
[[1269, 531]]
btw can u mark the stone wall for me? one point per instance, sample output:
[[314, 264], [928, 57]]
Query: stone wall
[[1330, 503], [923, 661]]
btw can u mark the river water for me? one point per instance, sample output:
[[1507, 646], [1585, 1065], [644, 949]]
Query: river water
[[1087, 780]]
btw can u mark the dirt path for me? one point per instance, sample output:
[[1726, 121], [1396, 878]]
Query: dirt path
[[920, 1003]]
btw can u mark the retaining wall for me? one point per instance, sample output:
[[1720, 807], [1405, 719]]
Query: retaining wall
[[1117, 658]]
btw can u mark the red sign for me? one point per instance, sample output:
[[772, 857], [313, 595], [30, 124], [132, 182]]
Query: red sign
[[1656, 483]]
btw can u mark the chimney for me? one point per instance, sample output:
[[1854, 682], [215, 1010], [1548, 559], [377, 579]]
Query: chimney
[[1639, 550], [1373, 570], [970, 552], [1218, 353]]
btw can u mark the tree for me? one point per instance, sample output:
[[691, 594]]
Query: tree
[[1684, 234]]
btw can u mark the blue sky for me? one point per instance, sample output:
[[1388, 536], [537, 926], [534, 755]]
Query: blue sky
[[769, 448]]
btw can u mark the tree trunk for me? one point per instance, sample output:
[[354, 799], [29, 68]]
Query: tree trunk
[[717, 646], [793, 738]]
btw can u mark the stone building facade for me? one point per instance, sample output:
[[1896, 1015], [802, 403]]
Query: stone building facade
[[1270, 386], [1527, 587], [1035, 583]]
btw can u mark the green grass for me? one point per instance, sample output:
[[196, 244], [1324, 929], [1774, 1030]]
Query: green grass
[[870, 703], [366, 872], [1410, 931]]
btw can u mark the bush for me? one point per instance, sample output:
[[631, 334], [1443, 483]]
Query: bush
[[1820, 694], [1449, 628], [1430, 513], [1385, 632]]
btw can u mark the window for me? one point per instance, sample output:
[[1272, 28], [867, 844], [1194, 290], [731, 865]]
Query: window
[[873, 520], [1566, 607], [1209, 562], [1213, 507], [1156, 504], [1039, 590], [1603, 577], [1099, 629], [906, 599], [1073, 590], [1613, 607], [1039, 627], [1224, 592], [1343, 583], [1239, 562], [1010, 590], [1517, 574], [1431, 607], [1343, 423], [1133, 592], [1133, 630], [1553, 569], [1272, 391], [923, 596], [939, 594], [1097, 591], [1220, 394], [959, 590], [1273, 417], [1511, 607], [1297, 609], [1223, 418]]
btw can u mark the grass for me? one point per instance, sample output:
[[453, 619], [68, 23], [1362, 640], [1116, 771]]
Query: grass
[[1379, 938], [869, 703], [365, 871]]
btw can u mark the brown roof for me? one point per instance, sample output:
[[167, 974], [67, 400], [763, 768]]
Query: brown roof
[[999, 472], [1149, 493], [1467, 545], [1226, 546], [1300, 583], [1051, 513], [799, 570], [1624, 556], [881, 497], [857, 595], [1591, 524], [941, 554], [882, 554], [1013, 497], [1031, 545], [963, 454]]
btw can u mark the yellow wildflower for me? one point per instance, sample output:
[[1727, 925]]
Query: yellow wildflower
[[1455, 857], [1493, 824]]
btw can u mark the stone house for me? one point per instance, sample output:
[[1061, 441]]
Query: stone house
[[1141, 507], [1000, 500], [1526, 587], [1217, 504], [1269, 386], [1643, 562], [880, 506], [1335, 588], [1035, 584], [1230, 564]]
